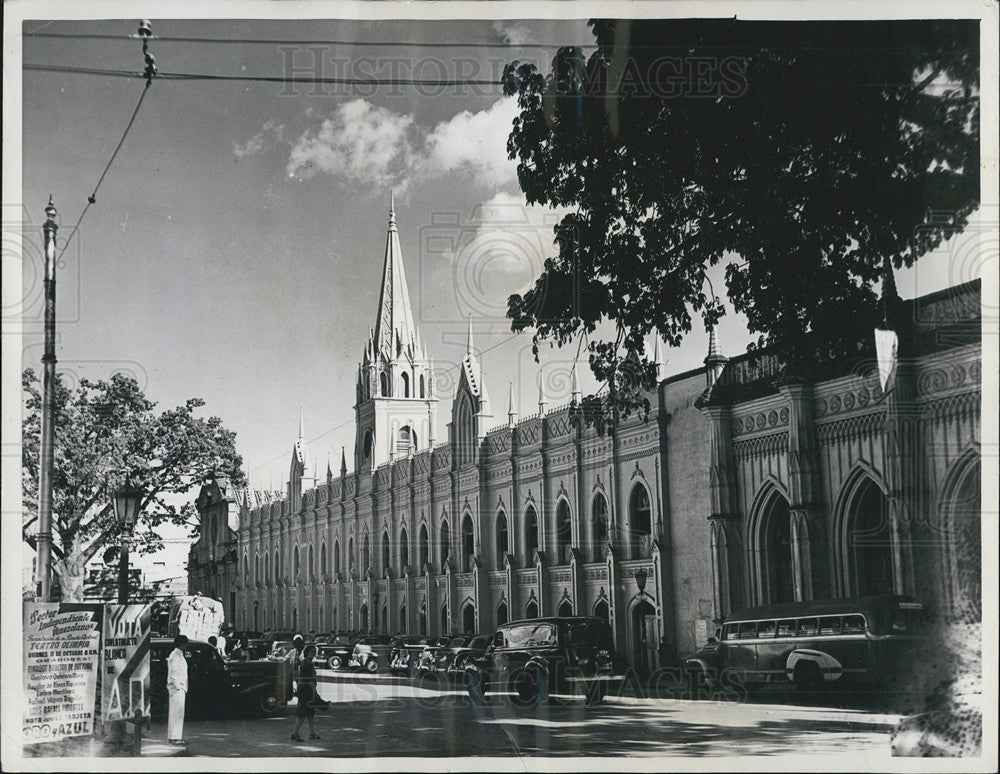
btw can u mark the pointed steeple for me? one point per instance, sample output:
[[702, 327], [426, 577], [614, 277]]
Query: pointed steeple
[[714, 362], [575, 386], [343, 462], [511, 407], [329, 468], [394, 323], [542, 403], [657, 361], [469, 349]]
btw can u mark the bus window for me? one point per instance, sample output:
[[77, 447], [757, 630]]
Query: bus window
[[748, 630], [807, 627], [786, 628], [729, 632], [854, 624], [829, 624], [766, 628]]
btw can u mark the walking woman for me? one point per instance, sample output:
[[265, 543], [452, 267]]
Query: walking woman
[[305, 680]]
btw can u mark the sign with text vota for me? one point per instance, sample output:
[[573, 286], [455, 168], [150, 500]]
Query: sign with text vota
[[125, 659], [62, 645]]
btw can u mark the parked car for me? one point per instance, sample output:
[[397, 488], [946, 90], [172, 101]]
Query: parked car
[[811, 644], [336, 653], [216, 686], [371, 653], [280, 650], [426, 657], [548, 655], [399, 652], [408, 655], [454, 658]]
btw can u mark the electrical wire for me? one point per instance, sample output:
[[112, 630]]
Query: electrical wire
[[328, 80], [93, 196]]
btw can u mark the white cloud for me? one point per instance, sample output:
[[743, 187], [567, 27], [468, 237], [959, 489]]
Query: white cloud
[[362, 142], [269, 132], [474, 142], [372, 146], [512, 34]]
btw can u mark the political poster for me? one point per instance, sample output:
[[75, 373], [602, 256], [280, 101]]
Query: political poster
[[62, 646], [125, 669], [197, 617]]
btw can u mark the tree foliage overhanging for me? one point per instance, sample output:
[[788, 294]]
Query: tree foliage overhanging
[[107, 433], [799, 154]]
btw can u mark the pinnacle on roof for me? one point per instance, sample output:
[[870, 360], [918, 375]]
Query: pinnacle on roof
[[468, 349], [575, 385], [511, 407], [541, 393]]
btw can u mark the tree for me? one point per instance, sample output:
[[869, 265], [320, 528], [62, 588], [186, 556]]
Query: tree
[[802, 154], [107, 433]]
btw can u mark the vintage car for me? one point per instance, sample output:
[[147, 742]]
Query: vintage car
[[406, 654], [337, 652], [371, 653], [541, 656], [451, 660], [424, 660], [218, 687], [812, 644]]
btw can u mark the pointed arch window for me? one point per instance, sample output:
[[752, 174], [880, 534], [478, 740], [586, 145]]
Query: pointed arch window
[[564, 532], [869, 542], [468, 543], [322, 559], [776, 554], [425, 555], [386, 555], [530, 535], [501, 538], [336, 558], [312, 565], [445, 538], [963, 518], [422, 387], [640, 521], [295, 563], [365, 557], [599, 527], [383, 383], [277, 565], [406, 384], [502, 615], [404, 551]]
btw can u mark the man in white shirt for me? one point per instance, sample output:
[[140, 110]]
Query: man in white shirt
[[220, 644], [177, 685]]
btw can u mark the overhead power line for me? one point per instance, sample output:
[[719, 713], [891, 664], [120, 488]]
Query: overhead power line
[[307, 79]]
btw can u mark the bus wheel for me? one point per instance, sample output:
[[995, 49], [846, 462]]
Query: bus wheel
[[807, 677]]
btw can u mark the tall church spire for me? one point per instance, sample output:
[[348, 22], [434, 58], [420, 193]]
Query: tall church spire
[[394, 328]]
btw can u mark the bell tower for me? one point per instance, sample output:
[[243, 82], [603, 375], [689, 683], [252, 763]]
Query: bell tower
[[396, 410]]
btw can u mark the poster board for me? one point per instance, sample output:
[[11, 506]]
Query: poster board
[[61, 658], [125, 661]]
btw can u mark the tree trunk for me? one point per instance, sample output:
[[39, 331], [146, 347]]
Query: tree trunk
[[70, 571]]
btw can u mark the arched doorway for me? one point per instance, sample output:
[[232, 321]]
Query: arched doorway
[[531, 609], [402, 620], [469, 619], [444, 619], [645, 637], [868, 542], [964, 518], [599, 528], [364, 618], [640, 522], [565, 609], [601, 611], [502, 616], [530, 536], [564, 532], [776, 552]]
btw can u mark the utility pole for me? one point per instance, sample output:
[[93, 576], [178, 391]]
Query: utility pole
[[43, 544]]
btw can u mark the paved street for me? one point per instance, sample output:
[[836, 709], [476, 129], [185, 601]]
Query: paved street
[[381, 718]]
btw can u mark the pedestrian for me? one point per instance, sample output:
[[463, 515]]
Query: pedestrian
[[308, 698], [240, 651], [177, 685], [220, 644]]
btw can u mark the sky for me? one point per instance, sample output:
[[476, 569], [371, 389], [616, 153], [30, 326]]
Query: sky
[[234, 251]]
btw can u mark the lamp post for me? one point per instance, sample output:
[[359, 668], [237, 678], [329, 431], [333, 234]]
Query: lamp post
[[127, 500], [43, 545]]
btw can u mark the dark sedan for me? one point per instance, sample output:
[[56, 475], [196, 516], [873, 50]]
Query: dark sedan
[[217, 687]]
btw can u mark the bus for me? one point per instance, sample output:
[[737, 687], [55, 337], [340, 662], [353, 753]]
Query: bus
[[859, 640]]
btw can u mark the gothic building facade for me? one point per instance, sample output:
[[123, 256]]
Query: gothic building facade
[[739, 488]]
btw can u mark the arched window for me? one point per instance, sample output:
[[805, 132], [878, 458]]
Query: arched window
[[530, 536], [364, 618], [320, 623], [425, 554], [601, 611], [640, 522], [267, 570], [531, 609], [322, 559], [404, 551], [350, 554], [468, 543], [366, 556], [246, 568], [422, 390], [295, 618], [336, 558], [599, 528], [777, 551], [312, 564], [406, 384], [256, 568], [869, 544], [386, 559], [564, 532], [402, 619], [444, 541], [444, 619], [469, 619], [383, 382], [422, 621], [501, 538], [565, 609], [405, 441], [277, 565], [502, 615], [464, 435], [964, 536], [295, 563]]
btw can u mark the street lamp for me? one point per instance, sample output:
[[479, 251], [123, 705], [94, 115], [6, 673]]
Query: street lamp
[[127, 500]]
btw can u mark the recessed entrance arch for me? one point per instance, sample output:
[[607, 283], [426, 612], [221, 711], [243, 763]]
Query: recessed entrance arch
[[644, 637], [502, 615], [364, 618], [601, 610], [531, 609], [565, 609], [469, 619], [962, 516], [868, 541], [774, 551]]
